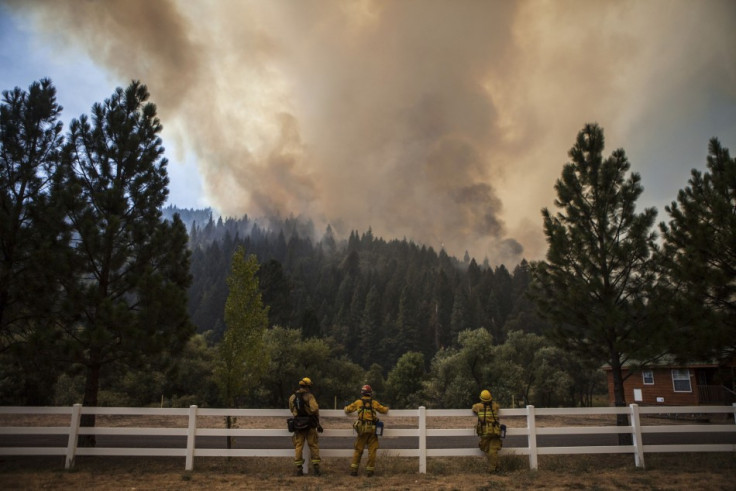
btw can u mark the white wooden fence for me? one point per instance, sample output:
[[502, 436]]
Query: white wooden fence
[[421, 432]]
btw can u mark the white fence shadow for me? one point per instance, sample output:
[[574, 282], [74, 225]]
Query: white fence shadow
[[420, 432]]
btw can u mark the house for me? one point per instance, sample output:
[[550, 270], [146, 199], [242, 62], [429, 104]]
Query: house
[[673, 384]]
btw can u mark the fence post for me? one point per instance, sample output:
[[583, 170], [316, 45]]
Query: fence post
[[531, 425], [422, 440], [306, 455], [636, 433], [71, 446], [191, 437]]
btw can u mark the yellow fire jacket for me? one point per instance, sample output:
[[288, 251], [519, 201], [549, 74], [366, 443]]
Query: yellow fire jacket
[[488, 417], [365, 413], [312, 406]]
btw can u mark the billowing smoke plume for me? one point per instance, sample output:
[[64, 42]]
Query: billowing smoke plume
[[445, 122]]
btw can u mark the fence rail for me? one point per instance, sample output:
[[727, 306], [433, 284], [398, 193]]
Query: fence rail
[[421, 432]]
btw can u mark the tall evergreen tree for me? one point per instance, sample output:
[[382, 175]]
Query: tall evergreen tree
[[443, 310], [699, 259], [276, 292], [32, 234], [30, 226], [129, 267], [594, 284], [459, 319], [407, 329], [242, 358], [370, 321]]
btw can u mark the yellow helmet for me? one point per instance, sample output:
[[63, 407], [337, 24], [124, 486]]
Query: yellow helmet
[[485, 396], [305, 382]]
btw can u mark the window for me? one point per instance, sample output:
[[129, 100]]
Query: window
[[648, 377], [681, 380]]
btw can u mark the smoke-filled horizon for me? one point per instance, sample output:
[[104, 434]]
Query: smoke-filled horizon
[[444, 122]]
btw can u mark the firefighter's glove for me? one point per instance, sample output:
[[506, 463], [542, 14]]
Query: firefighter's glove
[[320, 429]]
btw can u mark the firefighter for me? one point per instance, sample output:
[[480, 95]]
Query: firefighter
[[365, 426], [305, 409], [488, 428]]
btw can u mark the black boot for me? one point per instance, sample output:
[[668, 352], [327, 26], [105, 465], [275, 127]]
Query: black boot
[[316, 470], [299, 471]]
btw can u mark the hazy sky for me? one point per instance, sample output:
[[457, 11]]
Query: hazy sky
[[444, 122]]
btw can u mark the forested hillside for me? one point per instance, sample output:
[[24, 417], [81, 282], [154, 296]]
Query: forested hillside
[[422, 327], [379, 299]]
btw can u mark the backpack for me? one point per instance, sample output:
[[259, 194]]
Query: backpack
[[302, 420], [363, 426], [367, 406], [484, 427], [299, 404]]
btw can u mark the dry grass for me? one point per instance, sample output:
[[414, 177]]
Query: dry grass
[[608, 472]]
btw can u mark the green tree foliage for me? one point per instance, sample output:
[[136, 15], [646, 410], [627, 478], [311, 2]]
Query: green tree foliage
[[129, 269], [370, 328], [405, 381], [378, 299], [407, 320], [191, 380], [594, 285], [181, 382], [292, 358], [554, 384], [526, 369], [242, 359], [698, 258], [534, 371], [457, 375], [374, 378], [519, 357], [276, 293], [31, 233], [29, 147]]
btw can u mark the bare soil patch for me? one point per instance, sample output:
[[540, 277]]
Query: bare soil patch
[[603, 472]]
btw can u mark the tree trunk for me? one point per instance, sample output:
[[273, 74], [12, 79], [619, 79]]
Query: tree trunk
[[620, 399], [229, 424], [91, 388]]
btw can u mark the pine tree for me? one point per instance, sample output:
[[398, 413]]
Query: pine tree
[[594, 284], [370, 336], [32, 236], [406, 323], [30, 227], [699, 259], [126, 294], [443, 310], [276, 291]]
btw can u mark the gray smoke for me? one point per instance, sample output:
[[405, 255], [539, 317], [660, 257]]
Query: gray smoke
[[446, 122]]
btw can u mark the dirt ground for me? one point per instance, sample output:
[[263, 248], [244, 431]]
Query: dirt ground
[[611, 472]]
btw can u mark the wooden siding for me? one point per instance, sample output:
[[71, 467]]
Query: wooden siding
[[662, 388]]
